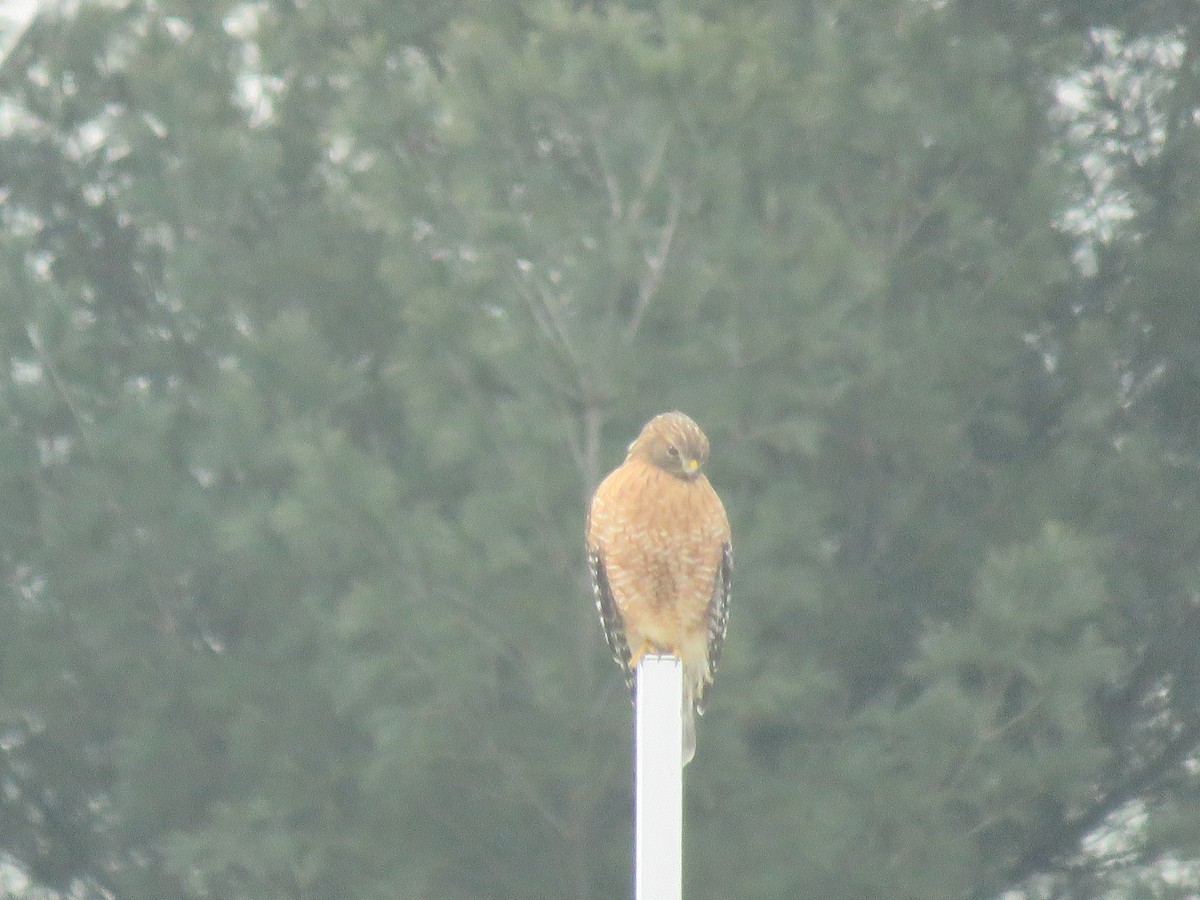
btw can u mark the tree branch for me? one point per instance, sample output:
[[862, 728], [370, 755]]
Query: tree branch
[[611, 186], [1067, 835], [656, 263]]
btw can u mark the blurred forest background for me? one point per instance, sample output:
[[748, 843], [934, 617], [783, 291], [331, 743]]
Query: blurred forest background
[[321, 320]]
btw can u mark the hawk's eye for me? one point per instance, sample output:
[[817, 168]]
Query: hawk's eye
[[672, 451]]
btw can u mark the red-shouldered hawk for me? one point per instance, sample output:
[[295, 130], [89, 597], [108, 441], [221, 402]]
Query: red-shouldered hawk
[[661, 559]]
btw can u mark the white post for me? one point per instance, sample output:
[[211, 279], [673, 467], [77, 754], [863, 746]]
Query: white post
[[658, 780]]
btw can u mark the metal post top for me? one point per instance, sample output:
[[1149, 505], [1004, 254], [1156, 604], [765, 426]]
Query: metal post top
[[658, 777]]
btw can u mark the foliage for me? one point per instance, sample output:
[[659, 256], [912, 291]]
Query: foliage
[[321, 323]]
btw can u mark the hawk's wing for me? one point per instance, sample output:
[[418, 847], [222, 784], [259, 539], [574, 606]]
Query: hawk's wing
[[610, 616], [718, 617]]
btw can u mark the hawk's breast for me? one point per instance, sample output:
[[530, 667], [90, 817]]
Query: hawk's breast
[[661, 541]]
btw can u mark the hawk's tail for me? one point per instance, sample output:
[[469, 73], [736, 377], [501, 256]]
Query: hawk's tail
[[689, 732], [691, 709]]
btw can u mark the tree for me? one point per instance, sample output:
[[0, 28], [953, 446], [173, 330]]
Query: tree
[[321, 325]]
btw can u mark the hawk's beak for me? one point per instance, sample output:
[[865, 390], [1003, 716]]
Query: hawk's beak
[[691, 466]]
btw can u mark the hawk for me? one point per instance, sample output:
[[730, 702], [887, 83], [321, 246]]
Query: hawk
[[661, 559]]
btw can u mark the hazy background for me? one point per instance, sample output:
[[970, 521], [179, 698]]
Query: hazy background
[[321, 320]]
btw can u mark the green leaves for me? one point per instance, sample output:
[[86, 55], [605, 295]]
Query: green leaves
[[320, 329], [1012, 688]]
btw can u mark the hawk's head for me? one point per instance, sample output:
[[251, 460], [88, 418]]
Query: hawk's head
[[674, 443]]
